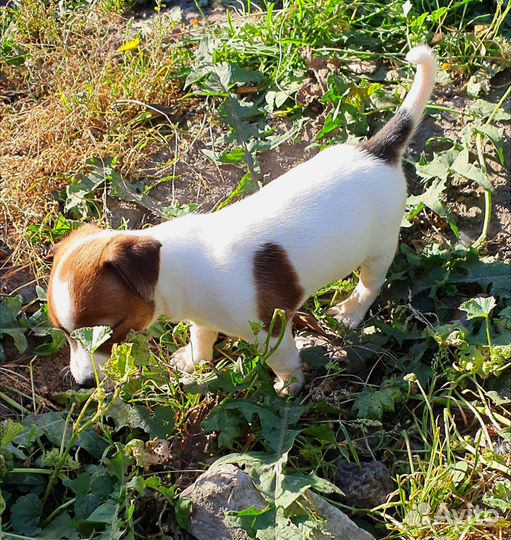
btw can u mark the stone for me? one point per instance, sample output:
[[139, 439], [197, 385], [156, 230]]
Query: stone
[[338, 525], [226, 488], [219, 490], [366, 486]]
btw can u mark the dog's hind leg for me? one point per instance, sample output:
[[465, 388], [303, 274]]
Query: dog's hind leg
[[351, 312]]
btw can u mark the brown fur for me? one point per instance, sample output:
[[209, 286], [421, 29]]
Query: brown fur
[[112, 282], [277, 285]]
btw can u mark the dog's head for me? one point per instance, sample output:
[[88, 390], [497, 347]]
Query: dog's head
[[102, 278]]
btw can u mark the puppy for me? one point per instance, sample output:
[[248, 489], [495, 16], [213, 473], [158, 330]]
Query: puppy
[[339, 211]]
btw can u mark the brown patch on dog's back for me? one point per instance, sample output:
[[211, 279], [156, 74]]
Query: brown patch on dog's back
[[277, 285]]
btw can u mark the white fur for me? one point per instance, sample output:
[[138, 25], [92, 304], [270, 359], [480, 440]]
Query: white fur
[[326, 213], [423, 83], [63, 303], [80, 358], [332, 214], [81, 363]]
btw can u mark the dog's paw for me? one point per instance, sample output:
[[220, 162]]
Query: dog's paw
[[351, 316], [285, 389], [290, 385], [182, 360]]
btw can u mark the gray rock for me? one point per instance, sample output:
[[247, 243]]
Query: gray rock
[[338, 525], [226, 488], [217, 491], [366, 486]]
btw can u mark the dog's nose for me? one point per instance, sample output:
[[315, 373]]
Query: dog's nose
[[88, 382]]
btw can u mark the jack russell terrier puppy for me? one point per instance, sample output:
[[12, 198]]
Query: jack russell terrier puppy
[[317, 223]]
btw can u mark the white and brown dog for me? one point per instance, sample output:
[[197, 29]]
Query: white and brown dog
[[339, 211]]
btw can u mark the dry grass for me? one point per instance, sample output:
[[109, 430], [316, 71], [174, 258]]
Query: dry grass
[[62, 107]]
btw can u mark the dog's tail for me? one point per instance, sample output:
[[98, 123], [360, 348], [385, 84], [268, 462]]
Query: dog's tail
[[389, 143]]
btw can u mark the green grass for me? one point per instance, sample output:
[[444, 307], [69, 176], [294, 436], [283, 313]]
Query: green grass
[[424, 388]]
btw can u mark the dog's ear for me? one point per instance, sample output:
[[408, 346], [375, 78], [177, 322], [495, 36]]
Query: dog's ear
[[137, 260]]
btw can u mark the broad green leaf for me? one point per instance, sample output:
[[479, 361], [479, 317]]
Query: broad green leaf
[[91, 491], [120, 188], [493, 274], [227, 156], [479, 307], [484, 109], [183, 510], [203, 60], [497, 398], [11, 53], [257, 522], [61, 527], [105, 513], [294, 485], [234, 110], [12, 322], [44, 233], [119, 413], [373, 403], [121, 364], [40, 326], [459, 472], [160, 424], [338, 89], [439, 166], [432, 198], [25, 515], [276, 96], [277, 419], [81, 190], [231, 74], [52, 425], [245, 187], [332, 123], [217, 79], [438, 13], [92, 337], [229, 425], [58, 342], [496, 136], [471, 171]]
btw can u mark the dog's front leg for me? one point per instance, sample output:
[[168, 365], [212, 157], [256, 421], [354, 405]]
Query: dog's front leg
[[199, 348], [285, 362]]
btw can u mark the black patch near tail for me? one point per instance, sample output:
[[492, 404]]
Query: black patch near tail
[[389, 142]]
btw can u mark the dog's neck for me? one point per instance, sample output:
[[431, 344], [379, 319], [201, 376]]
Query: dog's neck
[[176, 265]]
